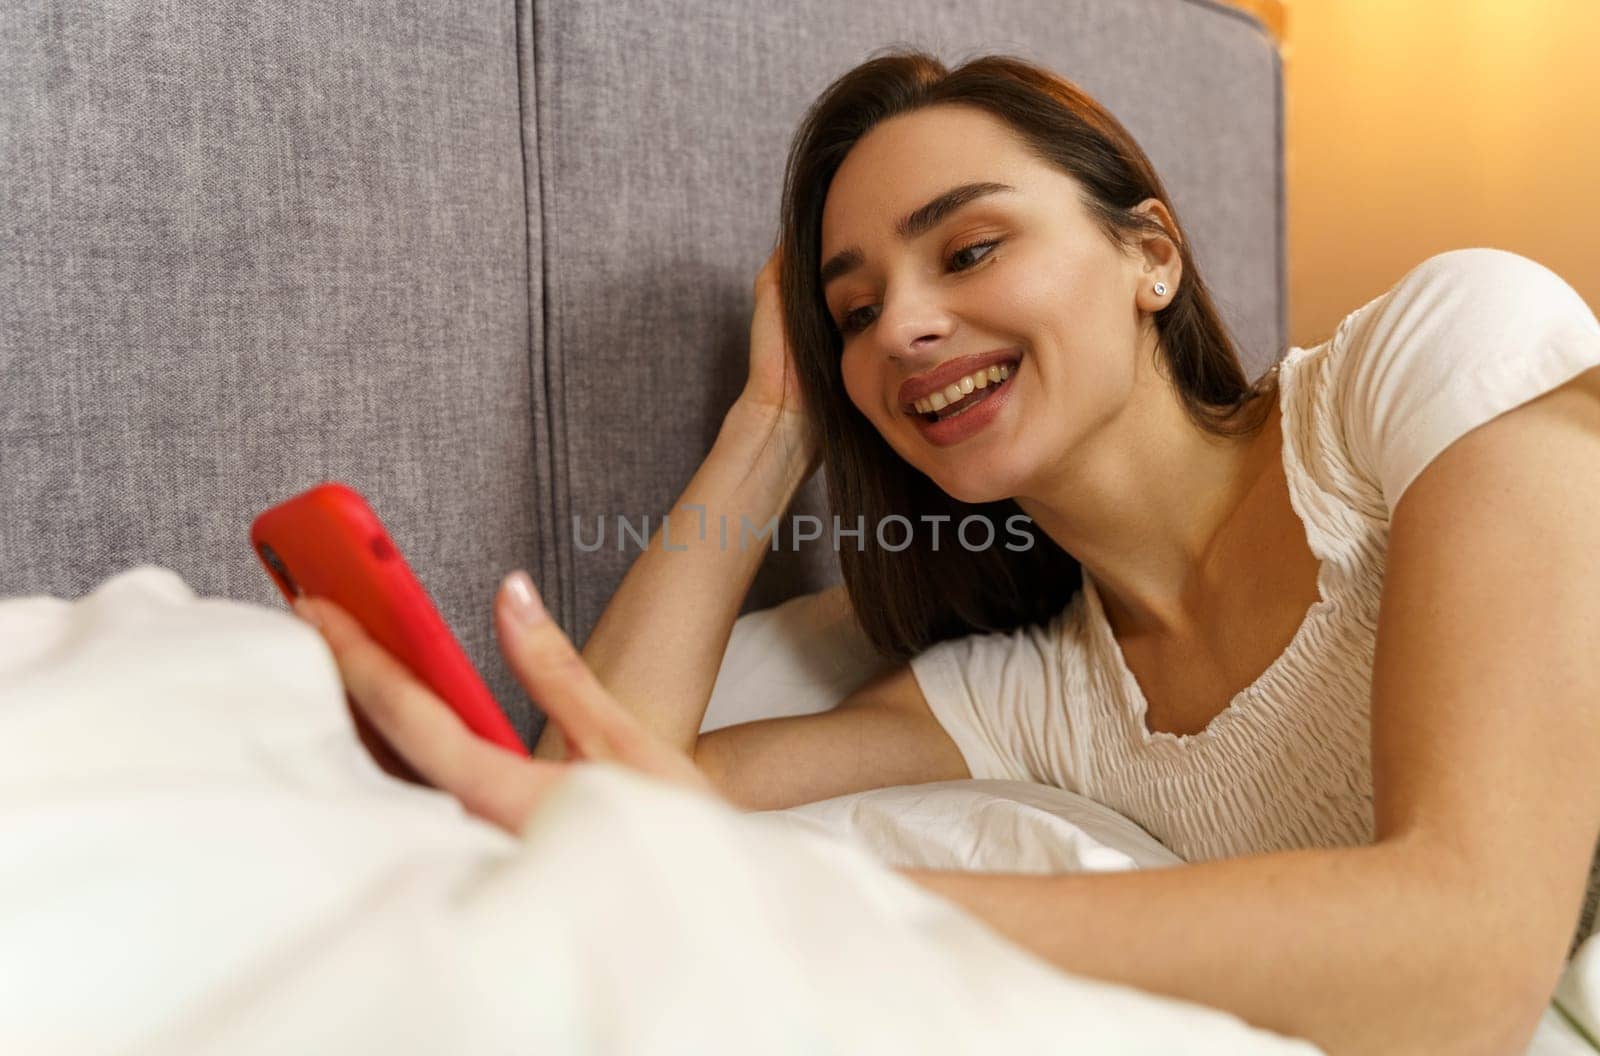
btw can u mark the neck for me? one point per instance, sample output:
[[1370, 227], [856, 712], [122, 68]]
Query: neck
[[1145, 503]]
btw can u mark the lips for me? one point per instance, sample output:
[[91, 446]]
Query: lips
[[965, 425], [930, 382]]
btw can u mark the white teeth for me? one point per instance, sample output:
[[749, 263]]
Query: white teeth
[[981, 379]]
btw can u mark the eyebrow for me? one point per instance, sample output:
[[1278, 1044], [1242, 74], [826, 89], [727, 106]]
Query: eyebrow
[[917, 222]]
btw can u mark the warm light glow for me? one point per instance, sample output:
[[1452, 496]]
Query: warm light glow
[[1430, 125], [1270, 12]]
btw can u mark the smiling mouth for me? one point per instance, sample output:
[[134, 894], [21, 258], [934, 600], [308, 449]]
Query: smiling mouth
[[961, 396]]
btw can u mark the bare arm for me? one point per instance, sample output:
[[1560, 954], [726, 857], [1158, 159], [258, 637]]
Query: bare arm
[[883, 734]]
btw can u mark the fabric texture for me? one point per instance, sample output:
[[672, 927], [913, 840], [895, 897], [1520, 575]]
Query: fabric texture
[[984, 827], [249, 248], [1460, 339], [197, 855]]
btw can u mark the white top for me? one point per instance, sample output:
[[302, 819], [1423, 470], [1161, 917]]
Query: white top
[[1459, 340]]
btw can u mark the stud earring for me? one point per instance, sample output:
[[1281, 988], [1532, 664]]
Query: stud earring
[[1161, 289]]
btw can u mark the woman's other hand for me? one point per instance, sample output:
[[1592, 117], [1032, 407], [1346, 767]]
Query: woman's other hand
[[495, 784], [772, 397]]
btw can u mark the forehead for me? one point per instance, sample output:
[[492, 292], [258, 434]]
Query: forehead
[[906, 160]]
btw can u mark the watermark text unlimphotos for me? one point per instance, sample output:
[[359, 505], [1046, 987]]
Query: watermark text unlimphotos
[[893, 533]]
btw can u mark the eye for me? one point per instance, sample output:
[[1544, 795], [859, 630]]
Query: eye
[[969, 247], [850, 324]]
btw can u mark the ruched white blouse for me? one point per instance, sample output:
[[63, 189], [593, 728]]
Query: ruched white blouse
[[1460, 339]]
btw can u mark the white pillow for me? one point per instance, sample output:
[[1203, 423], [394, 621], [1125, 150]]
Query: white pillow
[[808, 654], [985, 827], [798, 658]]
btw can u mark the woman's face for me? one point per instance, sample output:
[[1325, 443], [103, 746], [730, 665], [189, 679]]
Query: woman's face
[[1019, 279]]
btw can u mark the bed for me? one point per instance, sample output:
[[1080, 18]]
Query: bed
[[197, 854]]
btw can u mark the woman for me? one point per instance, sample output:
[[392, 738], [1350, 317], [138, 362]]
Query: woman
[[1371, 724]]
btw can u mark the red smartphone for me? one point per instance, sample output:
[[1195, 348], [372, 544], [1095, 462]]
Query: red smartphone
[[328, 543]]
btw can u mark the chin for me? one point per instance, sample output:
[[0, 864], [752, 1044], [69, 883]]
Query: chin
[[970, 484], [975, 492]]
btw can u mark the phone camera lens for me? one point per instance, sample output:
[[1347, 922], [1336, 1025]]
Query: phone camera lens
[[279, 569]]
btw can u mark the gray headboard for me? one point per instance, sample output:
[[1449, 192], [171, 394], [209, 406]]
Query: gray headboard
[[489, 263]]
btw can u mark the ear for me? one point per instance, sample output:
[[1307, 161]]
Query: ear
[[1159, 259]]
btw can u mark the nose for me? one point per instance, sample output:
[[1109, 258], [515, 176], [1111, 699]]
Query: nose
[[913, 324]]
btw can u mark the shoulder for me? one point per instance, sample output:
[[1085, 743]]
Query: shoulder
[[1002, 696], [1460, 338], [1044, 640], [1483, 268], [1491, 278], [1455, 303], [1469, 308]]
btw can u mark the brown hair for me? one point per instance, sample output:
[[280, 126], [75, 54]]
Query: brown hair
[[909, 599]]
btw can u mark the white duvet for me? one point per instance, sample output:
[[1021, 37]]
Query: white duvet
[[197, 855]]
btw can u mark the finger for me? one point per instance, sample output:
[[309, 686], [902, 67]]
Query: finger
[[507, 790], [406, 713], [556, 677], [389, 761], [584, 712], [490, 782]]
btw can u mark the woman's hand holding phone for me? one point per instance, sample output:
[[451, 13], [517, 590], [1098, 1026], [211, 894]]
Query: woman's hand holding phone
[[491, 782]]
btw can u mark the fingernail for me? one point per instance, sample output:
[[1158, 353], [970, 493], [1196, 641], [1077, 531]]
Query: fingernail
[[523, 599], [305, 612]]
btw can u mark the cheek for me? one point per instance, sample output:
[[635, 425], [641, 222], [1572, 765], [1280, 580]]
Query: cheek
[[859, 385], [1049, 295], [1079, 370], [1067, 312]]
